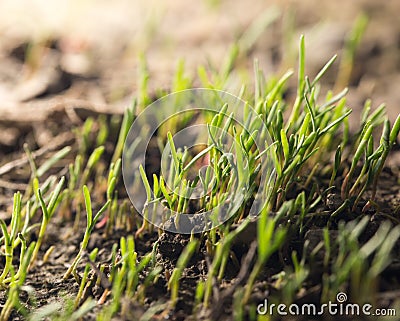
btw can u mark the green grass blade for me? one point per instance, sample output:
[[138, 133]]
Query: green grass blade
[[88, 205], [53, 160], [55, 196], [145, 182], [323, 70], [395, 131]]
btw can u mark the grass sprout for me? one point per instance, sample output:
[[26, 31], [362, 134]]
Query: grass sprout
[[173, 283], [90, 224], [47, 212]]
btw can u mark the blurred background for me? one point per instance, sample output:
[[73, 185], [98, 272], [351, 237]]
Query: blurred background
[[95, 51]]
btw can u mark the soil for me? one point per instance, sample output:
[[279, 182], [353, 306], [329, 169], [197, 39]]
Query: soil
[[53, 78]]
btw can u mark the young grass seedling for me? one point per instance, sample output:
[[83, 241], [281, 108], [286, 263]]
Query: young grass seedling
[[13, 300], [90, 224], [52, 161], [387, 142], [270, 239], [349, 51], [91, 257], [47, 212], [92, 161], [127, 121], [113, 175], [360, 150], [83, 135], [10, 238], [145, 209], [173, 283], [221, 251]]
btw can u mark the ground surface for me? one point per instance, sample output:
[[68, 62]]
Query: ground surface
[[61, 62]]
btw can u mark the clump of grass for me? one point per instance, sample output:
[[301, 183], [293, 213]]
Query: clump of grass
[[302, 151], [125, 277], [16, 284], [361, 264], [373, 160]]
